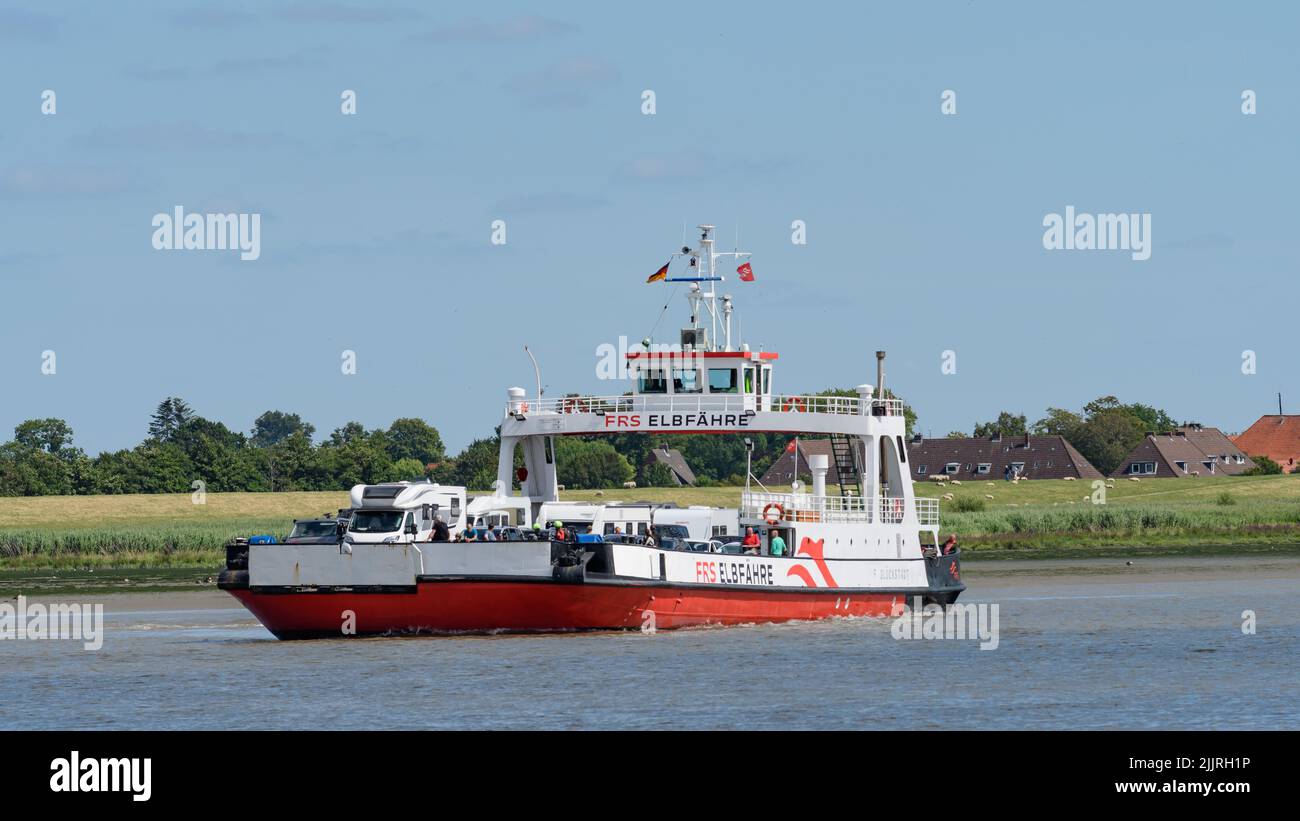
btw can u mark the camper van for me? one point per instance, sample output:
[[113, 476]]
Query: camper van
[[700, 521], [403, 511]]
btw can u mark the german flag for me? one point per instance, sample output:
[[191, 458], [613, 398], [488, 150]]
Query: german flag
[[660, 275]]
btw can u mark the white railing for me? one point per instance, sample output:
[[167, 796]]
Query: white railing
[[685, 403], [927, 512], [803, 507]]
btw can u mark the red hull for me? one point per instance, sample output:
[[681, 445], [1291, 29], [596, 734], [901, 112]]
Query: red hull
[[487, 606]]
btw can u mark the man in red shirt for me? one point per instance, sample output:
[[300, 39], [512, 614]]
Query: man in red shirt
[[750, 542]]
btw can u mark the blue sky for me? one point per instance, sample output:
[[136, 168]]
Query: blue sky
[[924, 230]]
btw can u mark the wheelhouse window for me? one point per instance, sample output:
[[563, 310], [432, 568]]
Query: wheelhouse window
[[687, 380], [749, 380], [652, 381], [722, 380]]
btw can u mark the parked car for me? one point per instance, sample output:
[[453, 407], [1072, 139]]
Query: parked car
[[314, 531]]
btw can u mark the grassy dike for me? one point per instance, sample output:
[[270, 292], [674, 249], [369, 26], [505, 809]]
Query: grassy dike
[[174, 538]]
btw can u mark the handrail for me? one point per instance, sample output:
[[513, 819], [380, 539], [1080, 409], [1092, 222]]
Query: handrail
[[738, 402]]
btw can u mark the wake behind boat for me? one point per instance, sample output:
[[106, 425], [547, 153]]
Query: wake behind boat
[[857, 552]]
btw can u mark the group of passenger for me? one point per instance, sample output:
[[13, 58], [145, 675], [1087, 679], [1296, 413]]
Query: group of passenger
[[752, 544]]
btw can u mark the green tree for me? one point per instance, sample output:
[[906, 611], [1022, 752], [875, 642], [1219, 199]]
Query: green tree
[[1264, 466], [476, 466], [171, 413], [275, 426], [1058, 422], [52, 436], [585, 464], [1007, 424], [1107, 437], [415, 439], [656, 474]]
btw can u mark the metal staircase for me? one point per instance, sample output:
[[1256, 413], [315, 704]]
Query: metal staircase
[[848, 462]]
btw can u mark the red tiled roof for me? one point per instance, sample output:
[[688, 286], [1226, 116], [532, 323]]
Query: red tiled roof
[[1277, 437]]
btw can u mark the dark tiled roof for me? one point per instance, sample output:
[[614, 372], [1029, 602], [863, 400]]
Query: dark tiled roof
[[1192, 445], [782, 470], [1274, 436], [1044, 457], [674, 461]]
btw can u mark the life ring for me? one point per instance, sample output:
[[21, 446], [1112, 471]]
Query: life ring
[[767, 515], [795, 403], [523, 407]]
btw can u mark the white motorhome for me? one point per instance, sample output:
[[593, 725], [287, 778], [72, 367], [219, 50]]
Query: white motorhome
[[700, 521], [403, 511]]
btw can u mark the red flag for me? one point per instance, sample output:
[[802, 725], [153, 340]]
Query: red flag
[[790, 447], [746, 273]]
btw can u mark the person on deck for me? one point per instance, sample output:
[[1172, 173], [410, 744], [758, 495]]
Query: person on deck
[[440, 532], [750, 542], [559, 532], [950, 545], [777, 545]]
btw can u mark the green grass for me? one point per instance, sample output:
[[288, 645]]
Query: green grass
[[1025, 519]]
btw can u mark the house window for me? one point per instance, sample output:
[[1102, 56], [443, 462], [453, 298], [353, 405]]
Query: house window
[[1017, 468], [921, 469], [985, 467], [722, 380], [1142, 468], [951, 468], [1182, 466], [1209, 464]]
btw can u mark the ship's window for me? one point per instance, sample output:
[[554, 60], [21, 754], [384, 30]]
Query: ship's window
[[985, 467], [687, 381], [749, 380], [652, 381], [767, 379], [721, 380], [902, 451]]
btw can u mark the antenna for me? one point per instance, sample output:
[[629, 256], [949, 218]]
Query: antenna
[[536, 371]]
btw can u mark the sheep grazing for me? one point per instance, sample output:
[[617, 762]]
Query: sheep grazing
[[956, 482], [629, 485], [991, 484], [1069, 478], [988, 495], [1134, 479]]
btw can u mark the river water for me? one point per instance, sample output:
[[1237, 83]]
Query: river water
[[1082, 644]]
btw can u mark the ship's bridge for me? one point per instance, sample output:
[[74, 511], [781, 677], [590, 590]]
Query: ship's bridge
[[699, 392]]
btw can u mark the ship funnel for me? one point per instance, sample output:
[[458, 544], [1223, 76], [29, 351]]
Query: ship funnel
[[880, 374], [819, 463]]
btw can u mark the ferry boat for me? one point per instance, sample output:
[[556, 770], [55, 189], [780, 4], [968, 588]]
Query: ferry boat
[[855, 552]]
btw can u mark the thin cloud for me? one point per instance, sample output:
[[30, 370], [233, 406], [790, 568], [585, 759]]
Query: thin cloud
[[569, 82], [342, 13], [211, 18], [176, 137], [45, 181], [513, 29], [549, 203], [16, 24]]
